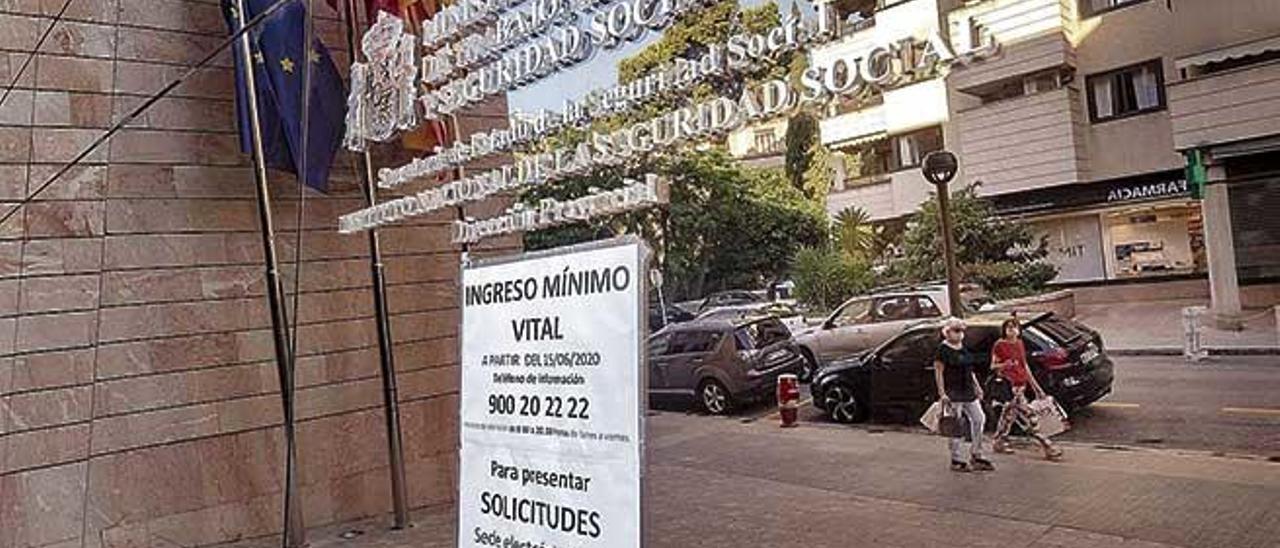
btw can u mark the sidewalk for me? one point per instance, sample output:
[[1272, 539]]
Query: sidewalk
[[722, 483], [1155, 327]]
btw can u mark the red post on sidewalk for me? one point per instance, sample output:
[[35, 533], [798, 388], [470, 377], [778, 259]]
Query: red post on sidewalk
[[788, 399]]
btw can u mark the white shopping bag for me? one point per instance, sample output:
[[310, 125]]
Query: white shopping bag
[[1051, 418], [931, 417]]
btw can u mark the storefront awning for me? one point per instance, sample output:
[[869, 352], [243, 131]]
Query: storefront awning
[[1230, 52]]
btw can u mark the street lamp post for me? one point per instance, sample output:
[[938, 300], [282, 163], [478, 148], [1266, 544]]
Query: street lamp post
[[940, 168]]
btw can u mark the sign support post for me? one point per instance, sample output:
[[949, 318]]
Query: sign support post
[[382, 320]]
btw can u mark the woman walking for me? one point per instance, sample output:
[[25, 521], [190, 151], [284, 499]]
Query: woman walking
[[960, 394], [1009, 359]]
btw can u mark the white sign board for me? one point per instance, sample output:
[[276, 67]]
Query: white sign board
[[552, 399]]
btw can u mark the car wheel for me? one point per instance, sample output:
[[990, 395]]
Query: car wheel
[[841, 403], [810, 365], [715, 398]]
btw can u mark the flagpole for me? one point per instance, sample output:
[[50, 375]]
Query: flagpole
[[386, 355], [294, 535]]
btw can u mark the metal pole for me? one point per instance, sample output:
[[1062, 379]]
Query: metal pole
[[294, 535], [386, 355], [949, 251]]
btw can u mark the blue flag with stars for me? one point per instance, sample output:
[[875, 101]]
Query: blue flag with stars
[[278, 58]]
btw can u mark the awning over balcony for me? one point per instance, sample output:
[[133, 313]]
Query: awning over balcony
[[904, 110], [854, 128], [1230, 52]]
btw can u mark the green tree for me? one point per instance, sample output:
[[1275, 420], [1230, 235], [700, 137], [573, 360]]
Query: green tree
[[724, 228], [801, 137], [692, 36], [1004, 257], [825, 277]]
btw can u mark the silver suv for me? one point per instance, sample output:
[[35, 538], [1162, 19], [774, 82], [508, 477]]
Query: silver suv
[[864, 322]]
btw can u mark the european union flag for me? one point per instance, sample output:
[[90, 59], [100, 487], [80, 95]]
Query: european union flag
[[278, 61]]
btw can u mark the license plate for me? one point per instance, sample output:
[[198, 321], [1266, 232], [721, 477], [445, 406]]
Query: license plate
[[1089, 355]]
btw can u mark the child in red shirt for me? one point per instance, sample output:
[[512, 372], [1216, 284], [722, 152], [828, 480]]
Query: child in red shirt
[[1009, 358]]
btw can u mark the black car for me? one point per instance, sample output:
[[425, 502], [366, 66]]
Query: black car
[[721, 363], [728, 298], [664, 314], [1066, 357]]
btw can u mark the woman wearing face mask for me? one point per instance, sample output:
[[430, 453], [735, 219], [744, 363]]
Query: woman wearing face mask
[[1009, 358], [958, 390]]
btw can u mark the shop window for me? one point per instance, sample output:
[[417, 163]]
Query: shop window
[[1125, 92], [1095, 7], [1155, 242]]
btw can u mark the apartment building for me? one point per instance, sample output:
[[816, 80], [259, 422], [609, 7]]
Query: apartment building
[[1082, 125]]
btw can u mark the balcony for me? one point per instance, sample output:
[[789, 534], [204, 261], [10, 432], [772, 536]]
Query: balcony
[[1024, 143], [884, 196], [1034, 35], [1227, 106], [869, 23]]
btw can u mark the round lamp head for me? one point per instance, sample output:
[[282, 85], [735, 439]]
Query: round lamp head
[[940, 167]]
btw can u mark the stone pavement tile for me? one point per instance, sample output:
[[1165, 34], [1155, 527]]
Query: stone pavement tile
[[1190, 508], [702, 508], [1161, 325], [1063, 537], [431, 528]]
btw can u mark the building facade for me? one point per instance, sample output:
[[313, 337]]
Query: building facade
[[762, 145], [139, 403], [1081, 126]]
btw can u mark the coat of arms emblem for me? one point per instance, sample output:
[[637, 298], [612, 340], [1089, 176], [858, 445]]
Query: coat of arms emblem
[[383, 89]]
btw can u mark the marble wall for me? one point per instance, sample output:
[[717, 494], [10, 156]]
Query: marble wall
[[138, 395]]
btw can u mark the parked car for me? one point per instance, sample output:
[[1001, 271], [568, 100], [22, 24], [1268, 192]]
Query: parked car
[[782, 291], [1066, 357], [729, 298], [865, 322], [721, 363], [661, 315], [788, 314]]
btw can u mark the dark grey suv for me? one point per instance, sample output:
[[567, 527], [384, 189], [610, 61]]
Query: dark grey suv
[[721, 363]]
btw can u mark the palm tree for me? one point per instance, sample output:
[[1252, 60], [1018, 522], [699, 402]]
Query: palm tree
[[854, 233]]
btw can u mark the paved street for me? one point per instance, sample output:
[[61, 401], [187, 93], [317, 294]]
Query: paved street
[[1228, 404], [743, 481], [721, 482]]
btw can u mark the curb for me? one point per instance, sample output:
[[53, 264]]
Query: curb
[[1213, 351]]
